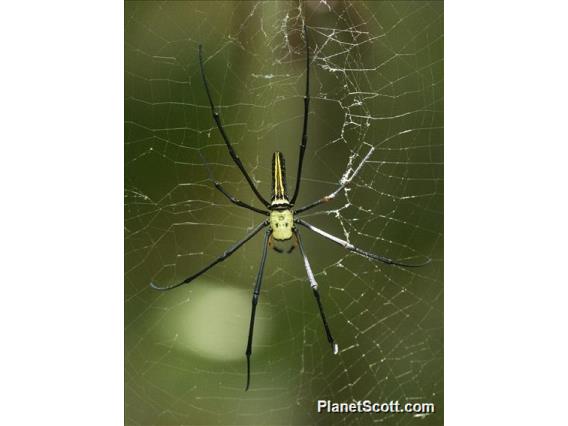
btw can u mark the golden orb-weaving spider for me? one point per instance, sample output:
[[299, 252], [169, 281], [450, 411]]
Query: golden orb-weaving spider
[[281, 215]]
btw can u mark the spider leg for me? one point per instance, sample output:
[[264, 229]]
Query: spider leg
[[255, 295], [314, 286], [217, 119], [351, 247], [231, 198], [225, 255], [340, 188], [237, 201], [305, 127]]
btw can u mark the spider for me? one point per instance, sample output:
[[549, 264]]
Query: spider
[[280, 225]]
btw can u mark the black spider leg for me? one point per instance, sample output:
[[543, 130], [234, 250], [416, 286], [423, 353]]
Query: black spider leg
[[314, 286], [217, 119], [231, 198], [225, 255], [351, 247], [341, 187], [305, 128], [255, 294]]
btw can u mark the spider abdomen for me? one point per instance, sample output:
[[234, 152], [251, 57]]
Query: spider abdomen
[[281, 223]]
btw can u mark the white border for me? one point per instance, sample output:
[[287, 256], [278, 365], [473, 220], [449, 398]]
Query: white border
[[505, 212], [61, 176]]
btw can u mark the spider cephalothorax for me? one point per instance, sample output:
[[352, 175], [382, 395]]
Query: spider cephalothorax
[[281, 221], [282, 224]]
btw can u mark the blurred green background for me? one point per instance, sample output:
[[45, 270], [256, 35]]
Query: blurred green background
[[377, 80]]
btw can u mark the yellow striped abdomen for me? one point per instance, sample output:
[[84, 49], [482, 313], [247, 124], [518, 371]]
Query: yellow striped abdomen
[[279, 189]]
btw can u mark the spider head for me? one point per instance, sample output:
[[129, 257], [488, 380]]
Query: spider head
[[282, 223]]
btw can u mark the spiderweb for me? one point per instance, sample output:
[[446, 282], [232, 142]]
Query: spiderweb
[[376, 84]]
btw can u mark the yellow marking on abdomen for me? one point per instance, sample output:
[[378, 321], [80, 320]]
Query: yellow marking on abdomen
[[279, 192]]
